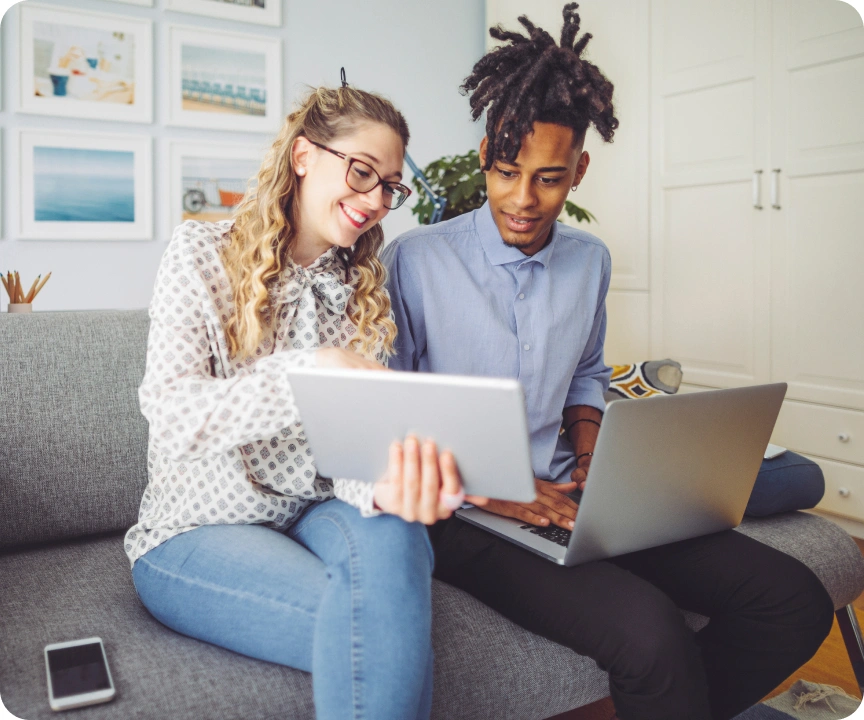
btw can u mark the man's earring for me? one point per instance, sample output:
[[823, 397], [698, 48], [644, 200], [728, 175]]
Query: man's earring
[[574, 188]]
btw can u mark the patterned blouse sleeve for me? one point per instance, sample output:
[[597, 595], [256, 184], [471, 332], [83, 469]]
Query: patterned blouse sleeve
[[193, 414], [356, 492]]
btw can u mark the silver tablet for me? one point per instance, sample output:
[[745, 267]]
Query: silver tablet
[[351, 417]]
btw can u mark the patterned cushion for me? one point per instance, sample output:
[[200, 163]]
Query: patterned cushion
[[641, 380]]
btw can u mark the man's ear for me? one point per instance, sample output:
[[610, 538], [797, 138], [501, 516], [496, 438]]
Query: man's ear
[[300, 155], [581, 168], [484, 143]]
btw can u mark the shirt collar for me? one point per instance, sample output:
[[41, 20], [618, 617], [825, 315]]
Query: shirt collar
[[500, 253]]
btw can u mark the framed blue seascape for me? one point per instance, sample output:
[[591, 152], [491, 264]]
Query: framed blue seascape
[[85, 187]]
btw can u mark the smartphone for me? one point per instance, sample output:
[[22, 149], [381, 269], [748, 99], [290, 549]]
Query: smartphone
[[78, 674]]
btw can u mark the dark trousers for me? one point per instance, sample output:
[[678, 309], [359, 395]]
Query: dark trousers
[[768, 615]]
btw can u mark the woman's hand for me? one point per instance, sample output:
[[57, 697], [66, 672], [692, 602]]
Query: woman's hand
[[342, 358], [420, 484]]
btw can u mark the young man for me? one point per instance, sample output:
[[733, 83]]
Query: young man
[[508, 291]]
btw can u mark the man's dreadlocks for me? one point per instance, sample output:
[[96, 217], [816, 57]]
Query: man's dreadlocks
[[531, 79]]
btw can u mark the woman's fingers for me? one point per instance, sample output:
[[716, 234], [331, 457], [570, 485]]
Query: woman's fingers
[[430, 483], [410, 479], [451, 495], [395, 473]]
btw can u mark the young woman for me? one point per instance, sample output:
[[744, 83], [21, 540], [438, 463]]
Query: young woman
[[239, 541]]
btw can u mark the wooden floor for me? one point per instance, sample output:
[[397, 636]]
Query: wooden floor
[[830, 666]]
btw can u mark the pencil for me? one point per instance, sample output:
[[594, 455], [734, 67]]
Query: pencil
[[41, 285], [14, 287], [29, 297], [5, 285], [19, 288]]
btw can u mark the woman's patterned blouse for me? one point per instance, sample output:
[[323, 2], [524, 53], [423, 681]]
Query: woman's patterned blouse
[[226, 442]]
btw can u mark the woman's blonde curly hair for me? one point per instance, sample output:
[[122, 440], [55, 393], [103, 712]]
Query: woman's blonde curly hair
[[265, 225]]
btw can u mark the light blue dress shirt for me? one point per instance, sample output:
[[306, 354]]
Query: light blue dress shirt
[[467, 304]]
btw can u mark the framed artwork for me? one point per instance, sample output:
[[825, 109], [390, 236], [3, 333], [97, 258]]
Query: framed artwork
[[144, 3], [208, 181], [86, 65], [85, 187], [263, 12], [224, 81]]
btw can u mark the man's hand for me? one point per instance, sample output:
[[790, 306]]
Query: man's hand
[[580, 472], [552, 505], [342, 358]]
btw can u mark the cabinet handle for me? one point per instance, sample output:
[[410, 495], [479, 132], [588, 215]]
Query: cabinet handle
[[757, 189], [775, 188], [843, 437], [844, 492]]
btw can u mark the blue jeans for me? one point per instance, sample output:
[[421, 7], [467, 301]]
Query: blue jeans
[[344, 597]]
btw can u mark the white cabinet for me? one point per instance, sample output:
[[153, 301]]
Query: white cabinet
[[710, 134], [757, 213], [817, 225]]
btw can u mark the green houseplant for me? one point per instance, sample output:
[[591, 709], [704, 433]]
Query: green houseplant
[[459, 179]]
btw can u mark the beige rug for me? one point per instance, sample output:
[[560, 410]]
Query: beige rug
[[805, 701]]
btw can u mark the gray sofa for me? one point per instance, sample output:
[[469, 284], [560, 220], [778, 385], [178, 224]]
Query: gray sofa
[[72, 470]]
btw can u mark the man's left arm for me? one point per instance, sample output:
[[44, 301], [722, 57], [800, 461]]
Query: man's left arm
[[585, 404]]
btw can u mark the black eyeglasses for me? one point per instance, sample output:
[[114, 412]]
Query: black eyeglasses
[[363, 178]]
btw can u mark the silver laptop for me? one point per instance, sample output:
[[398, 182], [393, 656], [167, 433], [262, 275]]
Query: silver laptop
[[664, 469], [351, 416]]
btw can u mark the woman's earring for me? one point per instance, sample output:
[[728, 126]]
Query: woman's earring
[[574, 188]]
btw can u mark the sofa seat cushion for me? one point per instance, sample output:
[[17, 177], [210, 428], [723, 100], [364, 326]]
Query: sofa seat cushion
[[81, 588], [485, 666]]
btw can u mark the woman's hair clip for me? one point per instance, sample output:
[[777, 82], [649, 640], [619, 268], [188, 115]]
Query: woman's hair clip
[[344, 81]]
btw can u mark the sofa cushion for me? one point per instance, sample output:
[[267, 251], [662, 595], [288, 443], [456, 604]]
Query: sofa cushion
[[485, 666], [489, 666], [644, 379], [73, 457]]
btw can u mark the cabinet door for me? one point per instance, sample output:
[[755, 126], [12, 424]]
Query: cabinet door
[[817, 220], [710, 244]]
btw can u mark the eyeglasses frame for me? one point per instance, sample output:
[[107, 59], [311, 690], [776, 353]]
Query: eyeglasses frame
[[352, 160]]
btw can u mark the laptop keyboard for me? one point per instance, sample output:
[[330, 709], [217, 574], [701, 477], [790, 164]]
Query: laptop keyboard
[[554, 533]]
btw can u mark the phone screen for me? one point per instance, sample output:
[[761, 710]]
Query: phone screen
[[77, 670]]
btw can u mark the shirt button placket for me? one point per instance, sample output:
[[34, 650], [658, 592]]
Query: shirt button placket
[[522, 313]]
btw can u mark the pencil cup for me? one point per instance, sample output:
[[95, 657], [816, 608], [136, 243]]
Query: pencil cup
[[20, 307]]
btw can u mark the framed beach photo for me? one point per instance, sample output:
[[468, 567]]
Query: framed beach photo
[[224, 81], [263, 12], [209, 181], [85, 187], [86, 65]]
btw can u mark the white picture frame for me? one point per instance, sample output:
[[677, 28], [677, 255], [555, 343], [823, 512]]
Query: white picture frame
[[195, 194], [143, 3], [224, 80], [249, 11], [105, 73], [76, 186]]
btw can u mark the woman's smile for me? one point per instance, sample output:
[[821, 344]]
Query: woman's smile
[[355, 217]]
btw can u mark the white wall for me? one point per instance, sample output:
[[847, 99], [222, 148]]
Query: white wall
[[416, 53]]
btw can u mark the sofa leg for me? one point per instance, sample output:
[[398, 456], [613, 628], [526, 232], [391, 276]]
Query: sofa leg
[[851, 632]]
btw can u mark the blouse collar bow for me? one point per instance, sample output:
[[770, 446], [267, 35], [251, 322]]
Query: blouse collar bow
[[326, 278]]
